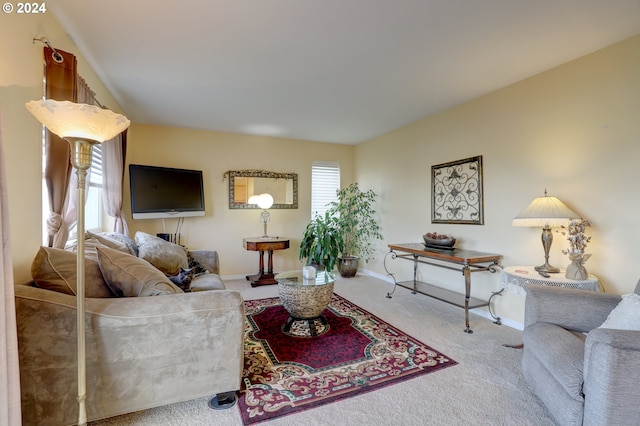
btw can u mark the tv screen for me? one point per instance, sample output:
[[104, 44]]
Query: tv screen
[[162, 192]]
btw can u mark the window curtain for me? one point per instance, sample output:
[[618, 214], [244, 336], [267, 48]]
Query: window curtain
[[114, 152], [61, 85], [62, 82], [10, 413]]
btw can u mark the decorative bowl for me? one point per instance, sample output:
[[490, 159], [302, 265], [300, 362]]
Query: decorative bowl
[[434, 239]]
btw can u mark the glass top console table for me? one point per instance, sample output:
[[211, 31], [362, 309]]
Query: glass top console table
[[465, 261]]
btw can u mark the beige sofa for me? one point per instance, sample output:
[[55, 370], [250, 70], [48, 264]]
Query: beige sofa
[[142, 352]]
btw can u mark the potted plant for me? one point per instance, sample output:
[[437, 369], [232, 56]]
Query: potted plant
[[355, 210], [322, 242]]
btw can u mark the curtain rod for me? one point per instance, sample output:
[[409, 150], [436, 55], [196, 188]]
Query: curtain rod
[[55, 55], [59, 59]]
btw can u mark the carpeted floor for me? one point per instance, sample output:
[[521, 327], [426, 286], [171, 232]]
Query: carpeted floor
[[485, 388]]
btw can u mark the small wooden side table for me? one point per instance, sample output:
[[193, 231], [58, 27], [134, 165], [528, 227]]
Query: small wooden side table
[[262, 244]]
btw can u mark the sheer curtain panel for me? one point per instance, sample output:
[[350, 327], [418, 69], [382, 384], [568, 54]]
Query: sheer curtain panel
[[114, 153]]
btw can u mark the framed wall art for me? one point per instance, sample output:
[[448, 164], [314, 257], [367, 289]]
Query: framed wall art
[[457, 193]]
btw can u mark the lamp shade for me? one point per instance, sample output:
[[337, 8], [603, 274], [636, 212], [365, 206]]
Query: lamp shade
[[265, 201], [545, 211], [69, 119]]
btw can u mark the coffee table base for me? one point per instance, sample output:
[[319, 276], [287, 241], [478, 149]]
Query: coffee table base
[[312, 325]]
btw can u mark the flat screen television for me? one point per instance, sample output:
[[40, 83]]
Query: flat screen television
[[163, 192]]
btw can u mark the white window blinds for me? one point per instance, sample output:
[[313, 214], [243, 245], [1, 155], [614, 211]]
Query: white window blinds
[[325, 181]]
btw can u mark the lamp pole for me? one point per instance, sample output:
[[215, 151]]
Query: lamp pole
[[81, 161]]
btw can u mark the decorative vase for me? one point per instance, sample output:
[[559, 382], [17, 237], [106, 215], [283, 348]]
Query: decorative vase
[[576, 269]]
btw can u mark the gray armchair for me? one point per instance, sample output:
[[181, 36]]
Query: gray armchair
[[585, 375]]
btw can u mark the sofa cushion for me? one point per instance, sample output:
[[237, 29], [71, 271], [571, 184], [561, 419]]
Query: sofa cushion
[[55, 269], [565, 408], [206, 282], [167, 257], [625, 316], [560, 351], [131, 276]]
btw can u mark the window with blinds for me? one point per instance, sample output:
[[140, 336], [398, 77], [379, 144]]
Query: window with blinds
[[325, 182], [93, 206]]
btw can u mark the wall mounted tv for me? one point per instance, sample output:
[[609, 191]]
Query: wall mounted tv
[[162, 192]]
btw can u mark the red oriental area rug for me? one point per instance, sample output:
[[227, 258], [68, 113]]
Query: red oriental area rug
[[355, 352]]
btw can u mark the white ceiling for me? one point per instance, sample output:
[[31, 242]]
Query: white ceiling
[[341, 71]]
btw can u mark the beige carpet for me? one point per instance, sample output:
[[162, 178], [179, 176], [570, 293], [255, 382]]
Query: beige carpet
[[486, 388]]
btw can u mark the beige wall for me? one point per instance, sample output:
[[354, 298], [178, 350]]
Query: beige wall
[[573, 130], [215, 153], [21, 81]]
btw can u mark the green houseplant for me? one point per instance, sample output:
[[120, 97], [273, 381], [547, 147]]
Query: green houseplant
[[322, 242], [356, 216]]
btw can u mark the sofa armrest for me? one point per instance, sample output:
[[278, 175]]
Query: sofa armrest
[[578, 310], [611, 370], [207, 258]]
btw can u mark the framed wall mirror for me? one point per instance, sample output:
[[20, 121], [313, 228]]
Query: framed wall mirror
[[283, 187]]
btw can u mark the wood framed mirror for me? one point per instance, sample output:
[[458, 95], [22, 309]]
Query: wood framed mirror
[[283, 187]]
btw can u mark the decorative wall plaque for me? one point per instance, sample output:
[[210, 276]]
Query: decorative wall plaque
[[457, 192]]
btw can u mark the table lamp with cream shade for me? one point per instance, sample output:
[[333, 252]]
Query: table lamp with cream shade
[[82, 126], [264, 201], [545, 212]]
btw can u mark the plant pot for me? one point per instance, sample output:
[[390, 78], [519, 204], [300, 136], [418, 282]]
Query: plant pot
[[348, 266]]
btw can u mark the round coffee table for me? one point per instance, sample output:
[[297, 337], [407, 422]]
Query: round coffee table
[[305, 299]]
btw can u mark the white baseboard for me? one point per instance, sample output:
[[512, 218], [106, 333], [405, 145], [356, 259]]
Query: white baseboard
[[234, 277], [386, 278], [505, 321]]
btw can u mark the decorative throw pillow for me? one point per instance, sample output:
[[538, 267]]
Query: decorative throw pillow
[[625, 316], [55, 269], [117, 241], [197, 267], [91, 241], [167, 257], [131, 276]]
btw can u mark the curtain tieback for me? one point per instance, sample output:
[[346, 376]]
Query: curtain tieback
[[54, 222]]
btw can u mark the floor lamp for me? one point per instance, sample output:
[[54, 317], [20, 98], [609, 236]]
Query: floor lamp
[[82, 126]]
